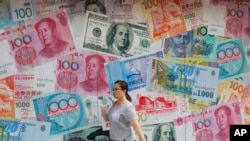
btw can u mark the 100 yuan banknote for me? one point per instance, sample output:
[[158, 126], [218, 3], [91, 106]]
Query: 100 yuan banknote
[[30, 44], [117, 38], [133, 70], [207, 124], [83, 73], [165, 76], [24, 130], [15, 12], [74, 9], [235, 15]]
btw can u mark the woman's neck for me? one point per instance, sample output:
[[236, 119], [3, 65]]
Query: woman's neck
[[121, 101]]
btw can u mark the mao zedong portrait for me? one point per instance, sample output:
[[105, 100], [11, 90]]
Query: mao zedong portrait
[[119, 39], [94, 74], [223, 120], [164, 132], [52, 45]]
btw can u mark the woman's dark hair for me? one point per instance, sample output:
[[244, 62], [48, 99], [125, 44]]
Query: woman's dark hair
[[124, 86]]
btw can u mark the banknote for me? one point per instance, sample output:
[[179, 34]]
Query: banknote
[[101, 36], [196, 104], [7, 106], [237, 90], [207, 124], [151, 108], [236, 19], [83, 73], [24, 130], [15, 12], [69, 112], [168, 18], [165, 76], [133, 70], [65, 111], [231, 58], [31, 45], [24, 108], [129, 11], [74, 9], [195, 44], [88, 134], [167, 130]]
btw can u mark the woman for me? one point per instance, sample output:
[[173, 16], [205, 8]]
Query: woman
[[122, 115]]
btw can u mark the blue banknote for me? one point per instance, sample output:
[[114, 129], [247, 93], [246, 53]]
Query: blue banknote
[[65, 111], [14, 12], [231, 58], [133, 70], [24, 130], [165, 76]]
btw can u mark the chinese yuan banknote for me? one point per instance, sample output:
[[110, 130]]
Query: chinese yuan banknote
[[64, 111], [100, 36], [15, 12], [81, 72], [231, 58], [168, 18], [165, 76], [7, 101], [24, 130], [236, 16], [195, 44], [75, 9], [213, 123], [24, 91], [30, 45], [133, 70]]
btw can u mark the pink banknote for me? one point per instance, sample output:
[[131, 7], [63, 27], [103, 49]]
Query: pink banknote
[[83, 72], [38, 41], [213, 123], [236, 19]]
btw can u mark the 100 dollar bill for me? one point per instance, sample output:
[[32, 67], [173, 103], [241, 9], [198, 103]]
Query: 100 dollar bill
[[101, 36]]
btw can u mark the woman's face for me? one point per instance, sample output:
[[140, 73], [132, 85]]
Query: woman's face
[[93, 68], [118, 92], [94, 8]]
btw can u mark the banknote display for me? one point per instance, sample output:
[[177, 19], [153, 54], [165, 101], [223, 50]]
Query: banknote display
[[132, 69], [165, 76], [39, 41], [24, 130], [101, 36]]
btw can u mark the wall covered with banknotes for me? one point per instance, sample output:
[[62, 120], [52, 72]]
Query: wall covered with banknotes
[[186, 63]]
